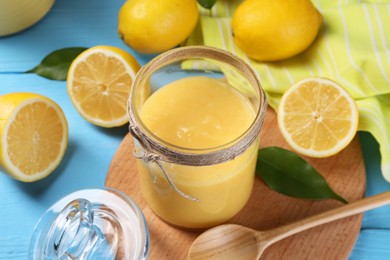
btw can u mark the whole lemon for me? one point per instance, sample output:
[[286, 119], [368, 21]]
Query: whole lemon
[[274, 30], [153, 26]]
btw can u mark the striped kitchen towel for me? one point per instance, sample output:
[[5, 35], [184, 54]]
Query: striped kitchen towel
[[352, 49]]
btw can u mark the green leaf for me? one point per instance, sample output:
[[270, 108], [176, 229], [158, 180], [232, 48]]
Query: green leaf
[[287, 173], [56, 65], [207, 3]]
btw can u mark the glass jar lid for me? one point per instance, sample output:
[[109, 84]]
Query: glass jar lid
[[98, 223]]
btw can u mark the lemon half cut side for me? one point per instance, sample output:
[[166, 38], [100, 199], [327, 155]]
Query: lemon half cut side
[[33, 136], [99, 82], [317, 117]]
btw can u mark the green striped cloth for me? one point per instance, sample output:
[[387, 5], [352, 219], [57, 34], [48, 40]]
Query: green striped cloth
[[353, 49]]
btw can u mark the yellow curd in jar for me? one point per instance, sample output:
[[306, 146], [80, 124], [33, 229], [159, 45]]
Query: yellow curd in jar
[[198, 113]]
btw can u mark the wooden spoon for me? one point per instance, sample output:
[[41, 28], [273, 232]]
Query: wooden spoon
[[232, 241]]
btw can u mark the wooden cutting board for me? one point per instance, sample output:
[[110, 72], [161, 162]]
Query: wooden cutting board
[[266, 209]]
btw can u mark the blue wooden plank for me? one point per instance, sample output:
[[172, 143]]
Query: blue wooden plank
[[90, 149], [372, 244], [378, 218], [89, 23]]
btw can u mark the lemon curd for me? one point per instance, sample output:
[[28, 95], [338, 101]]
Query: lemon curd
[[195, 114]]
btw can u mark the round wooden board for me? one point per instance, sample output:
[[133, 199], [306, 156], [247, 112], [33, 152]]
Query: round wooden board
[[266, 209]]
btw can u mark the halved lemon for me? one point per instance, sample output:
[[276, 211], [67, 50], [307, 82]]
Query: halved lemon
[[99, 82], [317, 117], [33, 135]]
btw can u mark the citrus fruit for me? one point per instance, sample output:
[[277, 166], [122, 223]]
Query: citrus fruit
[[154, 26], [274, 30], [33, 135], [99, 82], [317, 117]]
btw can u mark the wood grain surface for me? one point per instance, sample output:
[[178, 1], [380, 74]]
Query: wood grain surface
[[266, 209]]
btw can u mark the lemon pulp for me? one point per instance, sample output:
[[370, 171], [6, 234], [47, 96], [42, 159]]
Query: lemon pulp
[[34, 135], [317, 117], [99, 82]]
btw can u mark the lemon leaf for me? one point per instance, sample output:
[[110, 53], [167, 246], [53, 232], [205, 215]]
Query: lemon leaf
[[287, 173], [56, 65], [207, 3]]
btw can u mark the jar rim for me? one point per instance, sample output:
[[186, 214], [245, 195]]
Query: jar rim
[[155, 143]]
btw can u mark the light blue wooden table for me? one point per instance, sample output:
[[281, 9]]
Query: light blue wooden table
[[88, 23]]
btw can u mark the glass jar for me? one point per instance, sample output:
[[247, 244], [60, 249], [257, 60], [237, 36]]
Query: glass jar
[[17, 15], [196, 155], [98, 223]]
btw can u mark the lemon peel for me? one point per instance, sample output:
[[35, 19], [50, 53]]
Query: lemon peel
[[275, 30]]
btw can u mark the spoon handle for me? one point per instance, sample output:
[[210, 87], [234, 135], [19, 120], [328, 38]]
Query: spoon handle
[[347, 210]]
